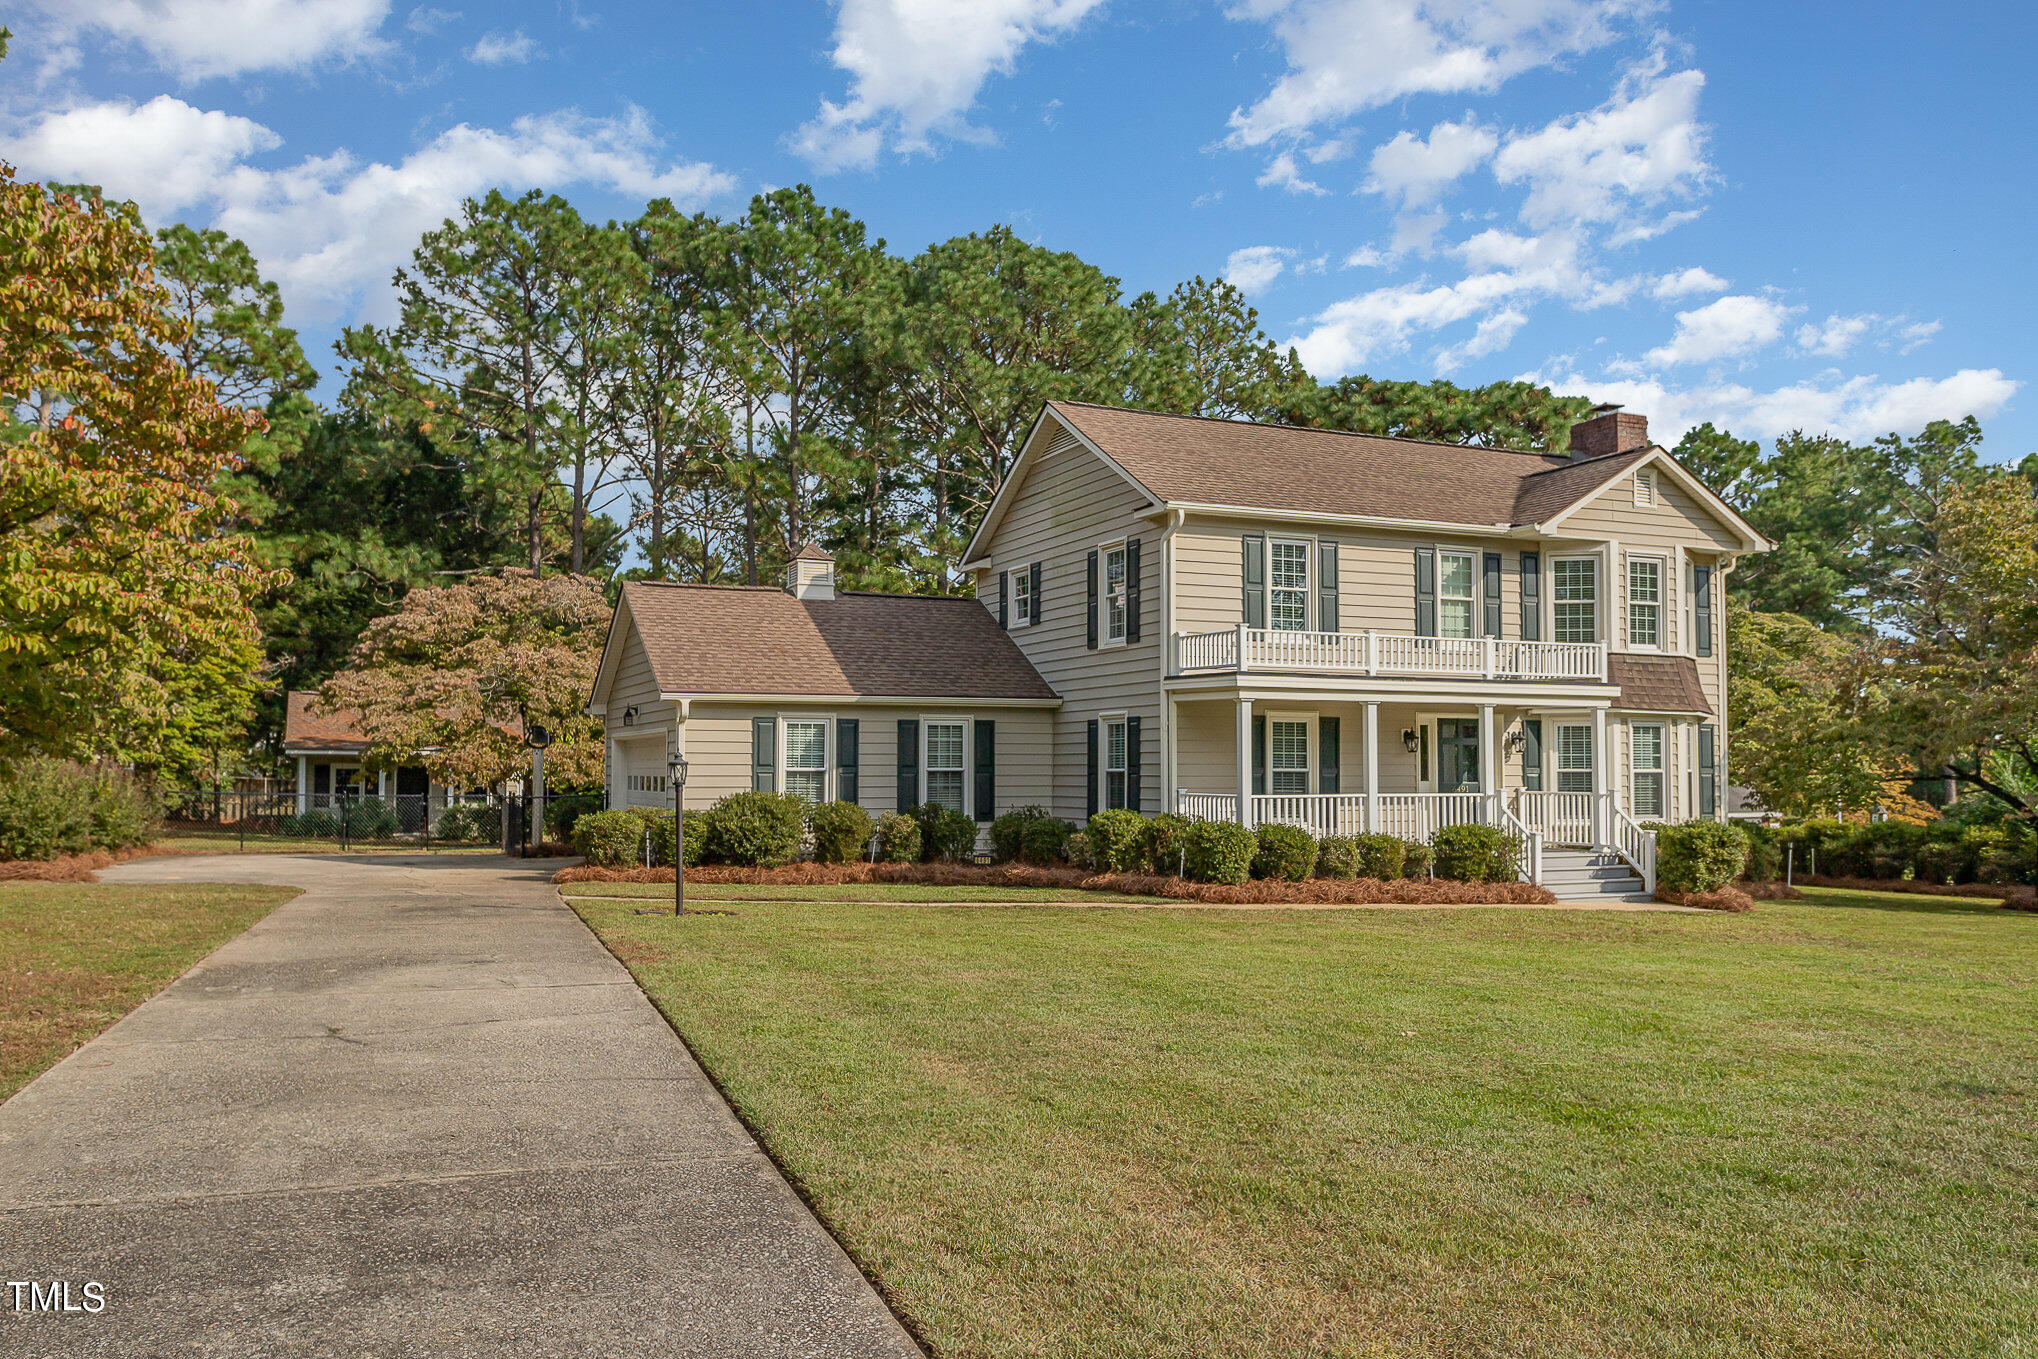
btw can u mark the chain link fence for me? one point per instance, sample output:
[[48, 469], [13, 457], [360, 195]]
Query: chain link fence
[[239, 820]]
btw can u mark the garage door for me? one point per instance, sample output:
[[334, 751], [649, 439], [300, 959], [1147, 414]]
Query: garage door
[[644, 773]]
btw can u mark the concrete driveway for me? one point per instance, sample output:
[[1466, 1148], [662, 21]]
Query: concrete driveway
[[418, 1110]]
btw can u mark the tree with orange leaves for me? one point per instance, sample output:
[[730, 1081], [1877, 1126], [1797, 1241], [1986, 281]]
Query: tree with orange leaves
[[126, 630]]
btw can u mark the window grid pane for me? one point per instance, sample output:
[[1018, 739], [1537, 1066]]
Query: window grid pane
[[1288, 757], [1648, 797], [1454, 618], [807, 784], [944, 745], [806, 745], [1290, 576], [944, 788], [1114, 745], [1454, 575], [1645, 600]]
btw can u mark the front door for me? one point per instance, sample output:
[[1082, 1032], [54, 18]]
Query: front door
[[1457, 755]]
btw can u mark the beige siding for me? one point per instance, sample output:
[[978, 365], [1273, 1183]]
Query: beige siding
[[718, 738], [1069, 503]]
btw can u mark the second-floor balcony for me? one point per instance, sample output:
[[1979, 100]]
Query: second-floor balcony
[[1246, 649]]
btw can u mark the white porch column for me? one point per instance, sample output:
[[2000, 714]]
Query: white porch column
[[1372, 725], [1489, 749], [382, 784], [612, 769], [1170, 758], [1245, 762], [1602, 819], [303, 784]]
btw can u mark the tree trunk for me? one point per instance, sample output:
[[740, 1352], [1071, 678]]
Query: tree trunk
[[749, 491]]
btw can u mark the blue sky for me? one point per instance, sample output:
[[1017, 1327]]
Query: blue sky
[[1767, 216]]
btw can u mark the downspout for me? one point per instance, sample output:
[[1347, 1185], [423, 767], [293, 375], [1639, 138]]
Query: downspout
[[1722, 771], [1167, 652]]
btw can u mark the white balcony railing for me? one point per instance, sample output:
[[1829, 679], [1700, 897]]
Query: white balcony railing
[[1384, 653]]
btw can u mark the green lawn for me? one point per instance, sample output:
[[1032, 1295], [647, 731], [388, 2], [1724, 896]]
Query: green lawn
[[76, 957], [1805, 1131]]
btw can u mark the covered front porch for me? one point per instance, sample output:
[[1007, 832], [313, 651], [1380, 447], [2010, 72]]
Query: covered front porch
[[1339, 762]]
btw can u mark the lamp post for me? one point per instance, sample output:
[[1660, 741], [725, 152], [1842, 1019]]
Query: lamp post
[[537, 738], [675, 765]]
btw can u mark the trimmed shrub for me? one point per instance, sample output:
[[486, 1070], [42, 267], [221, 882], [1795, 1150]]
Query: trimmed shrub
[[1417, 859], [610, 838], [1044, 841], [1008, 832], [124, 814], [1078, 851], [1337, 857], [1285, 853], [1383, 857], [898, 839], [468, 821], [946, 835], [1164, 844], [1822, 845], [1765, 859], [319, 823], [1699, 856], [45, 810], [1474, 853], [370, 818], [755, 828], [841, 830], [1220, 852], [1118, 841]]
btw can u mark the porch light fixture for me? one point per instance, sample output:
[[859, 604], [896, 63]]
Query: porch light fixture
[[630, 717], [1515, 739], [675, 765], [1408, 739]]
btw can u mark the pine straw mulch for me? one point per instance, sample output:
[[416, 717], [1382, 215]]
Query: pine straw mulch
[[76, 867], [1314, 892], [1721, 899], [2014, 896]]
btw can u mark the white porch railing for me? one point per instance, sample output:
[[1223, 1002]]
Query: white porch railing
[[1382, 653], [1634, 844], [1207, 806], [1560, 818], [1418, 816], [1409, 816]]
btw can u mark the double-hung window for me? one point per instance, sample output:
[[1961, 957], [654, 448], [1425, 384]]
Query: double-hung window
[[945, 765], [1287, 755], [1574, 759], [1022, 597], [1574, 588], [1645, 747], [806, 760], [1455, 575], [1288, 576], [1114, 762], [1645, 603], [1114, 593]]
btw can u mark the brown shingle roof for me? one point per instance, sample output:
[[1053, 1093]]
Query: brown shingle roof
[[1657, 684], [305, 730], [811, 551], [706, 639], [1315, 471]]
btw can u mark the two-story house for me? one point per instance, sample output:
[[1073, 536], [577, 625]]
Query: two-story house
[[1244, 622]]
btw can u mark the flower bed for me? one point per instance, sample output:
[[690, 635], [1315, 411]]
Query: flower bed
[[74, 867], [1311, 892]]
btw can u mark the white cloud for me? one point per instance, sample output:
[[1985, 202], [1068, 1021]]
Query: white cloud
[[197, 39], [503, 49], [1494, 333], [1835, 335], [1917, 333], [329, 228], [1635, 232], [1368, 257], [425, 20], [1641, 146], [165, 154], [1685, 282], [1282, 172], [1255, 266], [1858, 408], [1345, 56], [916, 68], [1416, 171], [1729, 327]]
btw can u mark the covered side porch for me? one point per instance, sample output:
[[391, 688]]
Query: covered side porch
[[1344, 761]]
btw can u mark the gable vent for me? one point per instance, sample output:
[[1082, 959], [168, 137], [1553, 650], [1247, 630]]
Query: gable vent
[[1645, 486]]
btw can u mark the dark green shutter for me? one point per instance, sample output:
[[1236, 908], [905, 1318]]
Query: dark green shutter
[[986, 769], [1708, 771], [1132, 590], [1259, 756], [1033, 593], [1425, 592], [1093, 600], [1327, 754], [1532, 754], [848, 758], [1090, 765], [1701, 610], [1491, 602], [909, 762], [1004, 599], [1132, 764], [764, 754], [1326, 587], [1531, 597], [1253, 548]]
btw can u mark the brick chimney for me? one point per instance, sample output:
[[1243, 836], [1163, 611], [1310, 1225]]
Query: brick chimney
[[811, 574], [1608, 430]]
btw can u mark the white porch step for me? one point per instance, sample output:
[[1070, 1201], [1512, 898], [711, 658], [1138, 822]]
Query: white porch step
[[1584, 875]]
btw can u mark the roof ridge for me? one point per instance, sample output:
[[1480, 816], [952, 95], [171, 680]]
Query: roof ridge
[[704, 585], [1587, 462], [1310, 429]]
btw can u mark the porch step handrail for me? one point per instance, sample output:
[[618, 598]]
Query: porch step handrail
[[1529, 863], [1636, 845], [1370, 652]]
